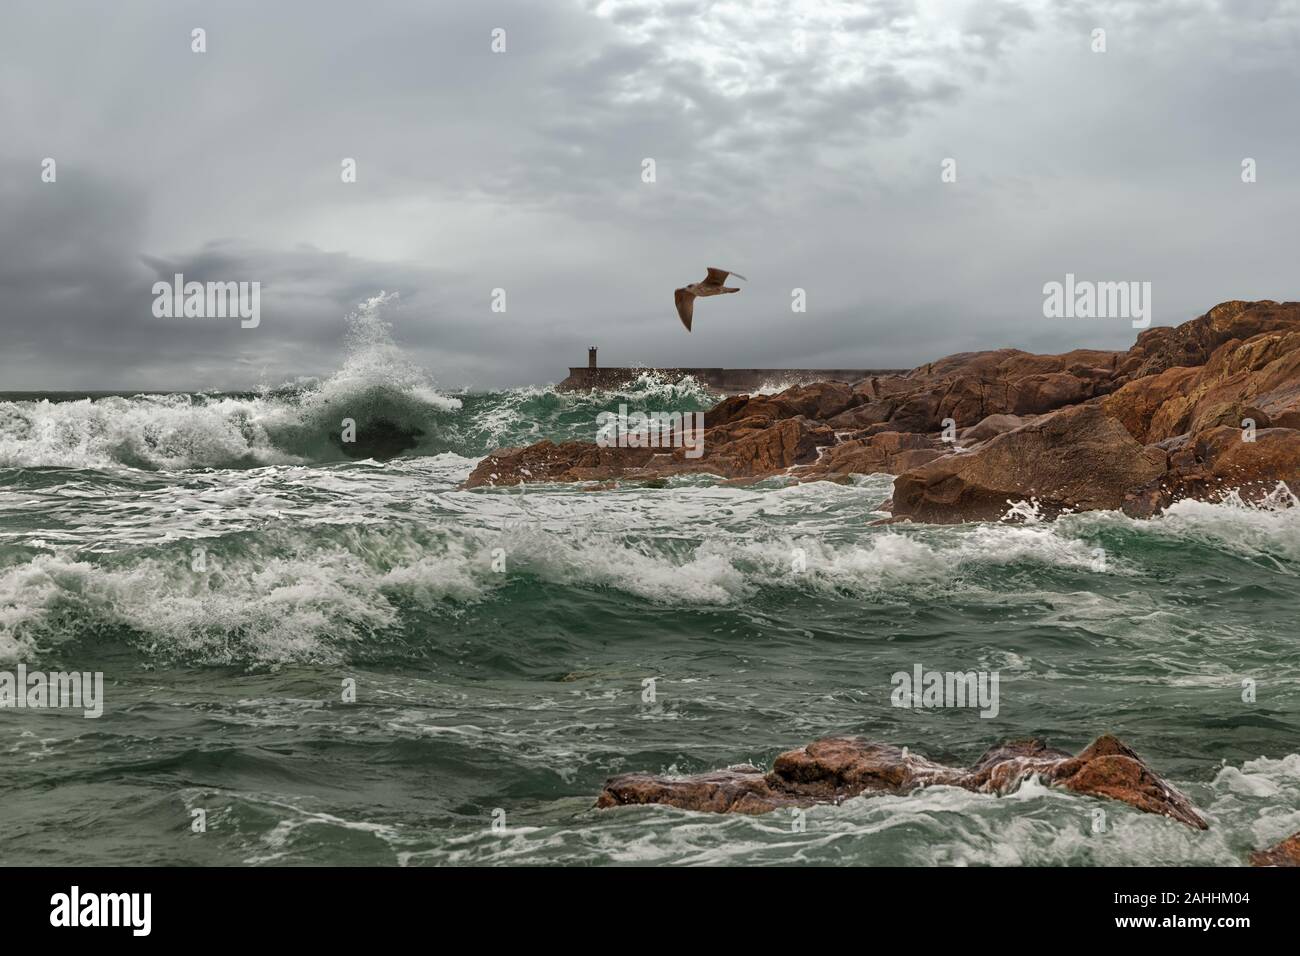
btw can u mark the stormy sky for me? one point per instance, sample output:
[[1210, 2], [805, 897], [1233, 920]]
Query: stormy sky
[[799, 142]]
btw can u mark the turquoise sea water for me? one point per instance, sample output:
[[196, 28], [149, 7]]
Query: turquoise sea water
[[500, 642]]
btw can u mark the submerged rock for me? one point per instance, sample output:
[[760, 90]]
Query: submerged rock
[[835, 769]]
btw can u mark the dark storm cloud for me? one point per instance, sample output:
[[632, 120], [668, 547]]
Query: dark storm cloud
[[797, 142]]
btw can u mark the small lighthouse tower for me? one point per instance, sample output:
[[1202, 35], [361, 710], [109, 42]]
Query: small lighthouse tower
[[591, 357]]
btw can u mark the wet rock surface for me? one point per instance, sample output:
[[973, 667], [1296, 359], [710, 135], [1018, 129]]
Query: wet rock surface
[[835, 769]]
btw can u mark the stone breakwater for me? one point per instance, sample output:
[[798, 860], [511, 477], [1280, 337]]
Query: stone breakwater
[[1199, 410], [719, 379]]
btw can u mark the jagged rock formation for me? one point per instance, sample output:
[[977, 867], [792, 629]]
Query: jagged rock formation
[[837, 768], [1198, 410]]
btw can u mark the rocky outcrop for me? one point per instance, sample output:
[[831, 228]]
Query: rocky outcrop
[[992, 426], [1286, 853], [1192, 343], [1255, 379], [837, 768], [972, 386], [748, 447], [1200, 410], [886, 452], [546, 461], [1220, 462], [820, 401], [1075, 459]]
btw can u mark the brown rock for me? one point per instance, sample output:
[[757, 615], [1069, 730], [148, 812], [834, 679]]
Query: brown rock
[[886, 452], [991, 426], [748, 447], [788, 442], [864, 416], [1286, 853], [1210, 466], [733, 409], [1074, 459], [1136, 404], [1273, 456], [546, 461], [917, 413], [1080, 430], [971, 386], [1256, 377], [1003, 768], [735, 790], [818, 400], [1108, 768], [835, 769], [1011, 364], [1192, 343]]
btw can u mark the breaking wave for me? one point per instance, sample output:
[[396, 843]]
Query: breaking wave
[[376, 387], [327, 586], [396, 407]]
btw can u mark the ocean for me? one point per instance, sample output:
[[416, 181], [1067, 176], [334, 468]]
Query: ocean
[[311, 659]]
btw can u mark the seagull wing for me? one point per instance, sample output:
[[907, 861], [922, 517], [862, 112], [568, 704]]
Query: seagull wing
[[685, 306], [719, 276]]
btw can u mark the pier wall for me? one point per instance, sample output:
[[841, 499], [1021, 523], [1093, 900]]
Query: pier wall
[[721, 379]]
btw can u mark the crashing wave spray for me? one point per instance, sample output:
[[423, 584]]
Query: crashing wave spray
[[378, 404], [393, 403]]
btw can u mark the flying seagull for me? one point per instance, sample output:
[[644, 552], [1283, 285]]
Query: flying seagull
[[712, 285]]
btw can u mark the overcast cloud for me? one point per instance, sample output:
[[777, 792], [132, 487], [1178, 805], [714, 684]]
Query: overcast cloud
[[798, 142]]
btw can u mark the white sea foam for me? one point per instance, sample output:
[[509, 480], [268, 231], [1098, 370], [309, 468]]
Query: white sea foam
[[296, 597], [169, 432], [254, 605], [363, 544], [1269, 528], [175, 432], [307, 594], [1264, 793]]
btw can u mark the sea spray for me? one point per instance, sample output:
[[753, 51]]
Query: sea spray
[[294, 424]]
